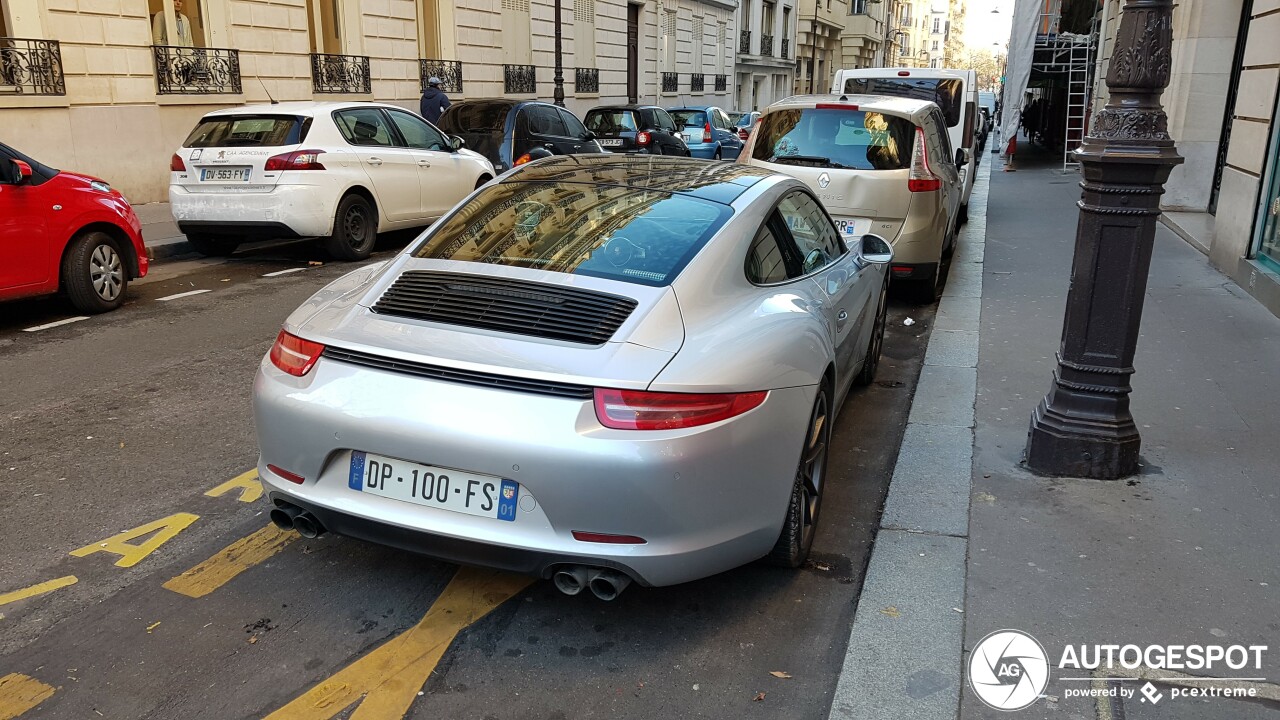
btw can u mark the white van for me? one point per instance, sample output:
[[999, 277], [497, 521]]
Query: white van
[[955, 91]]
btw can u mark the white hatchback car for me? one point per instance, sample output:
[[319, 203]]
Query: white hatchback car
[[340, 171]]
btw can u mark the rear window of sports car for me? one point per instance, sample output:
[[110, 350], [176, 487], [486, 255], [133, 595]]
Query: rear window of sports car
[[609, 231], [248, 131]]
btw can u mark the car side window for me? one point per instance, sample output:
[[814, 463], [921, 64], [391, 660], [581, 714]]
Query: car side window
[[721, 120], [768, 260], [664, 120], [572, 124], [543, 120], [417, 133], [944, 140], [815, 237], [364, 126]]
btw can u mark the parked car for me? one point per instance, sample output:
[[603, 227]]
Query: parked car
[[341, 171], [506, 131], [68, 232], [636, 129], [880, 164], [987, 104], [585, 426], [743, 122], [708, 132], [955, 92]]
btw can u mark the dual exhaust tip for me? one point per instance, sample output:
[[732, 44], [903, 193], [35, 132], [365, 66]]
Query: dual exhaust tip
[[604, 583], [292, 517]]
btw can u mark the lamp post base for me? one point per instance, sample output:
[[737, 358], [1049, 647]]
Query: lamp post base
[[1101, 445]]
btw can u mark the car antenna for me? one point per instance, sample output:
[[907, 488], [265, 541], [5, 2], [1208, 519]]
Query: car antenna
[[268, 92]]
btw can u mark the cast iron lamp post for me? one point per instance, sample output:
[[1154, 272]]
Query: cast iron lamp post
[[1083, 427], [558, 94]]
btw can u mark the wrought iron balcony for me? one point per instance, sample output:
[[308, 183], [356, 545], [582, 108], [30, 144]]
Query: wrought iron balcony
[[340, 73], [670, 82], [786, 49], [744, 44], [196, 71], [697, 82], [586, 80], [766, 45], [31, 67], [722, 83], [449, 72], [520, 79]]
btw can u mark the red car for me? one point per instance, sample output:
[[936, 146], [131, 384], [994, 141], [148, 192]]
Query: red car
[[65, 231]]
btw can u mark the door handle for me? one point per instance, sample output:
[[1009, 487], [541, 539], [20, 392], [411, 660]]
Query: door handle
[[375, 161], [424, 163], [841, 318]]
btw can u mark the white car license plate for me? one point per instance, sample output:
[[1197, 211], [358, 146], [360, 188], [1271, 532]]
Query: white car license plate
[[225, 174], [688, 137], [611, 142], [456, 490], [854, 227]]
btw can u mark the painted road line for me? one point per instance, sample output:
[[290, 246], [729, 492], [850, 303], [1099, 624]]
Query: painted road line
[[19, 693], [189, 293], [386, 681], [234, 559], [246, 482], [278, 273], [58, 323], [45, 587], [161, 532]]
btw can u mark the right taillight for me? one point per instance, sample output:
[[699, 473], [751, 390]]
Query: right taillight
[[642, 138], [706, 133], [296, 160], [525, 158], [642, 410], [921, 178], [176, 164], [294, 355]]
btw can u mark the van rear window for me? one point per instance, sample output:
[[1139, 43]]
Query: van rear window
[[835, 138], [248, 131], [948, 93]]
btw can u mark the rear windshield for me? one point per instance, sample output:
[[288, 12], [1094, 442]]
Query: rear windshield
[[689, 118], [248, 131], [471, 118], [611, 122], [835, 138], [609, 231], [948, 93]]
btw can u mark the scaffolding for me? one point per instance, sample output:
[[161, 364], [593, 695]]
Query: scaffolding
[[1062, 74]]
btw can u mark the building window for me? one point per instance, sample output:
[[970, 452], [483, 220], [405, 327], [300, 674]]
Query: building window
[[517, 47], [858, 7], [1269, 242], [669, 39], [935, 46], [584, 33], [697, 45], [937, 25], [722, 37]]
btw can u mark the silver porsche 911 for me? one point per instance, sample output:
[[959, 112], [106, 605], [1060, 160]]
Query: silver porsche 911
[[596, 369]]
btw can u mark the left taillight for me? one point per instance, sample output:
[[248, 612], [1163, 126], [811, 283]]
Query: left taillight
[[176, 164], [642, 138], [294, 355], [641, 410], [922, 177], [296, 160], [706, 133]]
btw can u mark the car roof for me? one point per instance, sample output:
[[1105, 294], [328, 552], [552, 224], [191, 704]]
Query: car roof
[[626, 107], [877, 103], [304, 108], [718, 182]]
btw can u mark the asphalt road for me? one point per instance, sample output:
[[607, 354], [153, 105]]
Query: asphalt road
[[125, 423]]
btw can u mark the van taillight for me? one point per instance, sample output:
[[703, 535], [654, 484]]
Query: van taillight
[[706, 133], [921, 178], [296, 160], [176, 164]]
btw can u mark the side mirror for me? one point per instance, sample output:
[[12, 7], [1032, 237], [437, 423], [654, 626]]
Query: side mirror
[[875, 250], [14, 172], [456, 143], [962, 157], [589, 136]]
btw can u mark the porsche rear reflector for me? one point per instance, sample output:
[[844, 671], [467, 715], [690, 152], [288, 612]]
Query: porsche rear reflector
[[592, 537], [290, 476]]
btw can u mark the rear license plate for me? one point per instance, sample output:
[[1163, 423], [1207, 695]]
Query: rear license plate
[[688, 137], [455, 490], [225, 174], [611, 143], [854, 227]]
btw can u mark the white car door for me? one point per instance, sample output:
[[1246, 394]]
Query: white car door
[[444, 176], [392, 170]]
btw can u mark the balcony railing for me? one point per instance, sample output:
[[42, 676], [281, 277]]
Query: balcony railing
[[786, 49], [520, 79], [448, 71], [340, 73], [697, 82], [586, 80], [722, 83], [744, 44], [196, 71], [31, 67], [670, 82], [766, 45]]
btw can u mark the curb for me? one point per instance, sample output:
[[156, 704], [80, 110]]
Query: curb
[[904, 658], [168, 249]]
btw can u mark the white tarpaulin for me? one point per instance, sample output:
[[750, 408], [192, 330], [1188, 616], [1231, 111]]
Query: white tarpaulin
[[1022, 48]]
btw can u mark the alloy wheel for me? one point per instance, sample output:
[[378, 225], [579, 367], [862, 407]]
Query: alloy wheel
[[812, 469], [106, 272]]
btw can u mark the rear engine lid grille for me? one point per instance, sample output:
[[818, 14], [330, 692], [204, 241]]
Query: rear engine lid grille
[[505, 305], [466, 377]]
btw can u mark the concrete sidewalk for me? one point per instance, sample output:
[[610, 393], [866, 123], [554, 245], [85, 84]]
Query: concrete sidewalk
[[160, 232]]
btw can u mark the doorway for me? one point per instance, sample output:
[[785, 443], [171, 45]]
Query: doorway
[[633, 53], [322, 17]]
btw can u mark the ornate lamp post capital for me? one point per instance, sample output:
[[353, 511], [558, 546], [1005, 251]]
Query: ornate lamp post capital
[[1083, 427]]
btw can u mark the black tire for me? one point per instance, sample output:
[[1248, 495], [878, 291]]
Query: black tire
[[717, 155], [800, 525], [95, 275], [211, 246], [963, 217], [871, 362], [355, 229], [482, 180]]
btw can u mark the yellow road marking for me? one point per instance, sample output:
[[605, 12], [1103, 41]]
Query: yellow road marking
[[39, 589], [165, 529], [231, 561], [19, 693], [247, 483], [387, 680]]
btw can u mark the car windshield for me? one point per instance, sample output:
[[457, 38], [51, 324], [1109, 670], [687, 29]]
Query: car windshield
[[610, 231], [835, 138], [946, 92], [611, 122], [689, 118], [248, 131]]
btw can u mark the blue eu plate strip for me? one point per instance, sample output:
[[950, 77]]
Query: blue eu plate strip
[[355, 480], [507, 500]]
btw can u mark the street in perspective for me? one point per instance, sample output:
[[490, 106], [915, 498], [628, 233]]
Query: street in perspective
[[795, 359]]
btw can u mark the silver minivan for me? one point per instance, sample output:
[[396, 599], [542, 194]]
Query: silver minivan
[[880, 165]]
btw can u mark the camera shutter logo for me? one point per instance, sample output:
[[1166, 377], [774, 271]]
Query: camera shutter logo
[[1008, 670]]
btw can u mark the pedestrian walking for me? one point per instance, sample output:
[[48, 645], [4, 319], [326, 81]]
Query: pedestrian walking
[[434, 101]]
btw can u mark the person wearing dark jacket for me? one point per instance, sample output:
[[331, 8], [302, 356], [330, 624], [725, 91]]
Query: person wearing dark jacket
[[434, 101]]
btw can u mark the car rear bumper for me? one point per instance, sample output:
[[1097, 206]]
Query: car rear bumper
[[302, 210], [706, 151], [242, 230]]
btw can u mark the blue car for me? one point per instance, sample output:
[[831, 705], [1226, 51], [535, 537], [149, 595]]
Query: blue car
[[708, 132]]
